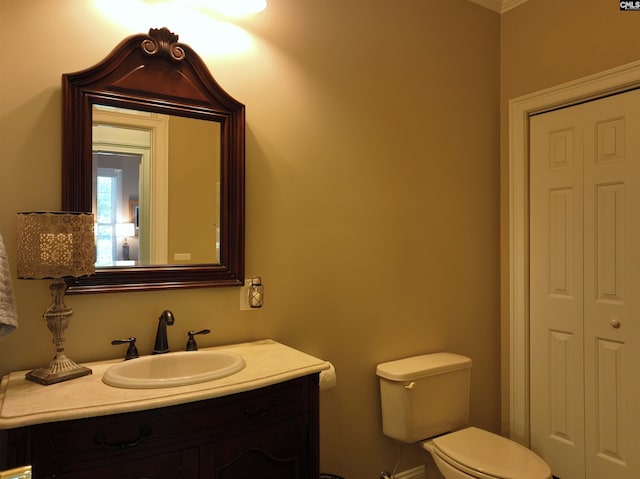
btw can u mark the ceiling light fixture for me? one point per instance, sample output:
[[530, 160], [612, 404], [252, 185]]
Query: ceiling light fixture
[[238, 8]]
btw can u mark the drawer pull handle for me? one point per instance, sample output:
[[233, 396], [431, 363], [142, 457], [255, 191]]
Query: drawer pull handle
[[262, 412], [102, 441]]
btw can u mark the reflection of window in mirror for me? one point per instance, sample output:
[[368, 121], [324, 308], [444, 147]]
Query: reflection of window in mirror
[[107, 185], [117, 181]]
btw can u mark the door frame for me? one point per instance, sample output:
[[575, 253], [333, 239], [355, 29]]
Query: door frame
[[594, 86]]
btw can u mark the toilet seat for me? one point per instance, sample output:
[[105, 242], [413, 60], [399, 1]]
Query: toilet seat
[[485, 455]]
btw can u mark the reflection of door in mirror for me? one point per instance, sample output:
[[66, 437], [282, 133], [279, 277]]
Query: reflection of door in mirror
[[168, 166], [130, 163]]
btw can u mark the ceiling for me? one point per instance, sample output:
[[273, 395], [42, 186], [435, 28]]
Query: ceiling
[[499, 6]]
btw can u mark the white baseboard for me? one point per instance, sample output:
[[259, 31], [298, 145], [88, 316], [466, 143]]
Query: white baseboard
[[415, 473]]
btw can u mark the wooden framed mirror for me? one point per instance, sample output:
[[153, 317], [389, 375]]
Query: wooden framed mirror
[[156, 149]]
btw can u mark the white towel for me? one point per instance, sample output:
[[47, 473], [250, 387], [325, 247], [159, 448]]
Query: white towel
[[8, 313], [328, 378]]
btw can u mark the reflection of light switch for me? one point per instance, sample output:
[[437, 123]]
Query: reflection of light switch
[[182, 256]]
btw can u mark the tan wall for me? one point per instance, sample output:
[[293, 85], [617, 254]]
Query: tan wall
[[546, 43], [194, 147], [372, 195]]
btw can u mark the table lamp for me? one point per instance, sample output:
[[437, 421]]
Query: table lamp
[[56, 245], [124, 231]]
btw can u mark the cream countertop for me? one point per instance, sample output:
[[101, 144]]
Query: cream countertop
[[23, 403]]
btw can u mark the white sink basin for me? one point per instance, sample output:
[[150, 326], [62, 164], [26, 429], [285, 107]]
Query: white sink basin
[[173, 369]]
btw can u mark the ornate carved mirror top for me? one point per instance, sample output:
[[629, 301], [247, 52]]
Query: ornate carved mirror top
[[155, 148]]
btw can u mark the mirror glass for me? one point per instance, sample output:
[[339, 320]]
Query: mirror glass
[[155, 148], [151, 206]]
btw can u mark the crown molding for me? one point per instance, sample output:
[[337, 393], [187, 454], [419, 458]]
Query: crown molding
[[499, 6]]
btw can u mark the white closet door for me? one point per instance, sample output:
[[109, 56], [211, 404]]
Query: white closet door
[[585, 288], [612, 287], [556, 292]]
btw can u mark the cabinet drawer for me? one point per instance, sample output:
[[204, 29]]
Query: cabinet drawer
[[102, 440], [253, 408], [172, 465]]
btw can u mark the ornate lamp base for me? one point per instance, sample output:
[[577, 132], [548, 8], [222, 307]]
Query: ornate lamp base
[[59, 369], [57, 316]]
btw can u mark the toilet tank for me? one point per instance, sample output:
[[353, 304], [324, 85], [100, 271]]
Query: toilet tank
[[424, 396]]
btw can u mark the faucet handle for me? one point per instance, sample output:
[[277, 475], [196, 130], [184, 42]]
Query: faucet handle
[[132, 351], [191, 342]]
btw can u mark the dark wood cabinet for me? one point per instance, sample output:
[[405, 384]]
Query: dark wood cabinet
[[268, 433]]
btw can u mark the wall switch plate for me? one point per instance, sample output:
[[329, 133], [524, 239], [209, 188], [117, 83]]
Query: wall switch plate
[[244, 296]]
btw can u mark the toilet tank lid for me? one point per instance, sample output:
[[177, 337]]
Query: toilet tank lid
[[417, 367]]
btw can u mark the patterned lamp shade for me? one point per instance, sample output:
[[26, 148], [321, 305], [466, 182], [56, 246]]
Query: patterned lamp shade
[[55, 245]]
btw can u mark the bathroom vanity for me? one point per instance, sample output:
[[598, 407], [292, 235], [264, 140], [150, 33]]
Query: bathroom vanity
[[262, 419]]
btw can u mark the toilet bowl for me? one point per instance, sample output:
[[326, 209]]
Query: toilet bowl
[[479, 454], [426, 398]]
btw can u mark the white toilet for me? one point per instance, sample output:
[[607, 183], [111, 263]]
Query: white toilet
[[426, 398]]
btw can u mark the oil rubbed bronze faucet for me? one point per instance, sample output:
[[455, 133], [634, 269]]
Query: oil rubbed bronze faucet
[[162, 344], [132, 351]]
